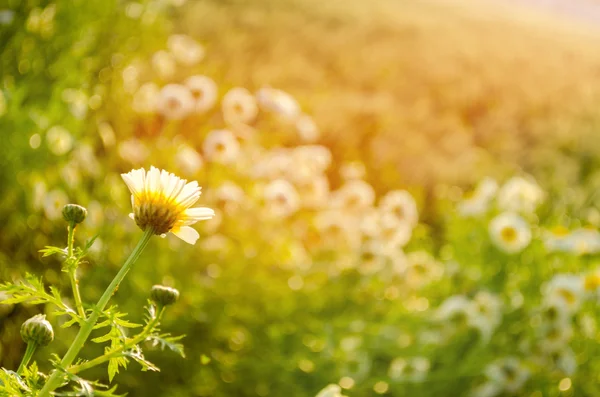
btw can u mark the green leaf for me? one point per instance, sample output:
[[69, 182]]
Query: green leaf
[[50, 250], [137, 355], [113, 366], [168, 341]]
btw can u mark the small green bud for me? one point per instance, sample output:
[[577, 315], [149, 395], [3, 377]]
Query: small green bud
[[74, 213], [164, 296], [37, 330]]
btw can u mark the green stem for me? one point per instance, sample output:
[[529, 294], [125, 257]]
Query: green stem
[[31, 346], [117, 352], [56, 378], [72, 270]]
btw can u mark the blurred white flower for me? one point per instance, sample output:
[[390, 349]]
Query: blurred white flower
[[354, 195], [457, 311], [185, 50], [281, 198], [566, 361], [314, 193], [239, 106], [330, 391], [508, 374], [394, 233], [520, 195], [54, 202], [400, 204], [353, 170], [175, 101], [204, 90], [134, 151], [229, 196], [221, 146], [59, 140], [478, 202], [371, 258], [553, 337], [336, 229], [567, 288], [278, 102], [414, 369], [163, 63], [422, 268], [145, 99], [307, 129], [188, 160], [510, 232]]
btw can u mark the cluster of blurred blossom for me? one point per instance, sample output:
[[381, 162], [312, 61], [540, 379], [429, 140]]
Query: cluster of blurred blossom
[[278, 195]]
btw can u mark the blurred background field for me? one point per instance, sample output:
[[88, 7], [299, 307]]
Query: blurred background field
[[303, 280]]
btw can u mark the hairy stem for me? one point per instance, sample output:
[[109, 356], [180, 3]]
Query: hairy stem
[[72, 270], [119, 350], [56, 378], [31, 346]]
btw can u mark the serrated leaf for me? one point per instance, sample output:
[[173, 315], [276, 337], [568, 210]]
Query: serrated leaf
[[113, 366], [168, 341], [137, 355]]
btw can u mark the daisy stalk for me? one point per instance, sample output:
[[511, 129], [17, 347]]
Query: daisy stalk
[[56, 379], [161, 204]]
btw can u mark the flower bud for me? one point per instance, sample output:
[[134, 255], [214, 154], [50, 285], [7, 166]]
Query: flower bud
[[164, 296], [37, 330], [74, 213]]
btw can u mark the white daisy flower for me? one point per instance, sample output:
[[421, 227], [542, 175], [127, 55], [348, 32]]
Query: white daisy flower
[[354, 195], [422, 268], [278, 102], [54, 202], [162, 203], [281, 198], [478, 201], [402, 205], [510, 232], [188, 160], [164, 64], [59, 140], [239, 105], [331, 391], [175, 101], [185, 50], [145, 99], [414, 369], [520, 195], [457, 310], [221, 146], [307, 129], [508, 373], [204, 90], [567, 288]]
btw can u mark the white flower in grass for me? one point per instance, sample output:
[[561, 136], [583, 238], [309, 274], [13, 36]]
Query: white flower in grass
[[278, 102], [204, 90], [422, 268], [164, 64], [331, 391], [554, 337], [508, 374], [400, 204], [566, 288], [520, 195], [393, 232], [221, 146], [59, 140], [457, 311], [185, 50], [162, 203], [188, 160], [145, 99], [281, 198], [307, 129], [414, 369], [239, 106], [354, 195], [175, 101], [478, 202], [510, 232]]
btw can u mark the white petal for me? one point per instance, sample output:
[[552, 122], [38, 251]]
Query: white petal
[[187, 234], [199, 214]]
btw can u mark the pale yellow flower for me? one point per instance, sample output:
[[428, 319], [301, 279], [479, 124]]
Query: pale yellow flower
[[162, 202]]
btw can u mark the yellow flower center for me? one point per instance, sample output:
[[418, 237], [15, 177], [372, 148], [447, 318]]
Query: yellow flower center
[[567, 295], [592, 282], [157, 213], [509, 234]]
